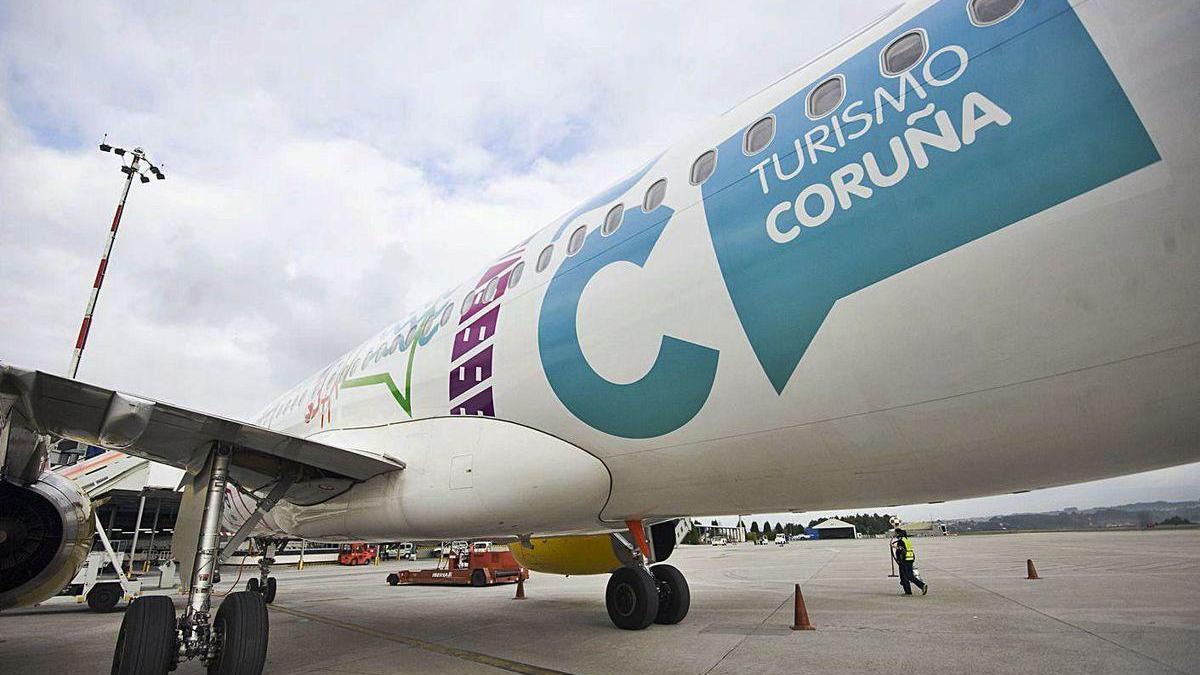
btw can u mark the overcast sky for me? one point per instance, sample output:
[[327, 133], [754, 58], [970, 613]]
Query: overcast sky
[[330, 167]]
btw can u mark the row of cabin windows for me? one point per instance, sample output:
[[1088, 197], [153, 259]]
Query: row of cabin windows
[[487, 293], [655, 194], [896, 58]]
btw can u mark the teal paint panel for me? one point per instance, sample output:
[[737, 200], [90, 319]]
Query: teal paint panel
[[1072, 129]]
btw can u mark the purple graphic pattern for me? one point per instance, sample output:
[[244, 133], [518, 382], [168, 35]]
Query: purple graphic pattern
[[470, 375]]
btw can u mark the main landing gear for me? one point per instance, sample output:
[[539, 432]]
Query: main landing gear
[[638, 595], [151, 640]]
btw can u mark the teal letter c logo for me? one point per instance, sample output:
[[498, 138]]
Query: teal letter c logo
[[667, 396]]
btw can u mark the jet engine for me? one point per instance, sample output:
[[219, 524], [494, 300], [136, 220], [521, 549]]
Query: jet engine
[[46, 530]]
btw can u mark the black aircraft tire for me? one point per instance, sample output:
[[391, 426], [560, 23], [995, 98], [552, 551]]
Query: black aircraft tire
[[146, 641], [103, 597], [269, 595], [253, 585], [243, 627], [674, 597], [478, 578], [631, 598]]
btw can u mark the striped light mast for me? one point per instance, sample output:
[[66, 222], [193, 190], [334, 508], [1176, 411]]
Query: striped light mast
[[133, 164]]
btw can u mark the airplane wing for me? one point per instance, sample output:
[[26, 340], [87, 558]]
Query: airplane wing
[[158, 431]]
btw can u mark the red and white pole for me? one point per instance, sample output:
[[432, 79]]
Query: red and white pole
[[81, 341]]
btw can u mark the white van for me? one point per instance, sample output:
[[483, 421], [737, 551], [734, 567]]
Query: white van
[[406, 551], [780, 539]]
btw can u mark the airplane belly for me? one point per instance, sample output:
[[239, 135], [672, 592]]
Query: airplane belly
[[465, 477]]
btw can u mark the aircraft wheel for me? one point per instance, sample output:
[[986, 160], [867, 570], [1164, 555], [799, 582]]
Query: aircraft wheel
[[269, 594], [478, 578], [241, 629], [146, 641], [631, 598], [674, 598], [253, 585], [393, 579], [103, 597]]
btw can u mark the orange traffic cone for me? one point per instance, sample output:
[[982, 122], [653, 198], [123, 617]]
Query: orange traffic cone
[[801, 621], [1032, 571], [520, 589]]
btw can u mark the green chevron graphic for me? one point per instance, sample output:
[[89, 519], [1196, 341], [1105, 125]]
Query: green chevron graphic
[[404, 399]]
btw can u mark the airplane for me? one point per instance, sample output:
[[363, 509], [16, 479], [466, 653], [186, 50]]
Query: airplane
[[956, 255]]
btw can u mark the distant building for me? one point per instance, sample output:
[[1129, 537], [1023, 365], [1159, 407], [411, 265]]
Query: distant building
[[734, 534], [832, 528]]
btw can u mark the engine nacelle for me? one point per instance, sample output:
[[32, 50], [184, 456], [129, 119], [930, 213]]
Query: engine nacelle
[[46, 531]]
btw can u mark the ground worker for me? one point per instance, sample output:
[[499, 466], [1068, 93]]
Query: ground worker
[[905, 557]]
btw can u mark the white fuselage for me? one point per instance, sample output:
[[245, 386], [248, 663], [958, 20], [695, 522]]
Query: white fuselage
[[1059, 343]]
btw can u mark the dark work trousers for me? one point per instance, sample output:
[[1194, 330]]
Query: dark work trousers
[[907, 577]]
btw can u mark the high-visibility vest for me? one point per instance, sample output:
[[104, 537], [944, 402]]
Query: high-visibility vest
[[909, 554]]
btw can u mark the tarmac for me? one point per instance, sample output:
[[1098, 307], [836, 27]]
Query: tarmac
[[1107, 602]]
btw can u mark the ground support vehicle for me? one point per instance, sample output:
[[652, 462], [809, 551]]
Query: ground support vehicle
[[466, 568], [100, 581], [357, 554]]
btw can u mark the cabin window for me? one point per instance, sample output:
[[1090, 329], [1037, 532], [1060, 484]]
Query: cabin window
[[544, 257], [446, 313], [988, 12], [576, 241], [489, 293], [759, 136], [467, 302], [825, 97], [904, 53], [514, 277], [613, 220], [655, 195], [703, 167]]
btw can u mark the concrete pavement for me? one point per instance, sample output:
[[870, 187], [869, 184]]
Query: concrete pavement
[[1108, 602]]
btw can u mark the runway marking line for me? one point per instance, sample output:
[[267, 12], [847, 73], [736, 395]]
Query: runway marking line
[[445, 650]]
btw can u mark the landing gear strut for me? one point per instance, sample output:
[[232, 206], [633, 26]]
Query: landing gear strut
[[638, 595], [235, 643]]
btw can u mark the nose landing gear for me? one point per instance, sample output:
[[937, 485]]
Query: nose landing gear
[[638, 595], [264, 584], [631, 598], [674, 597]]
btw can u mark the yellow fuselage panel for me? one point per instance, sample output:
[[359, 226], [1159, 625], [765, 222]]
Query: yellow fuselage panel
[[584, 554]]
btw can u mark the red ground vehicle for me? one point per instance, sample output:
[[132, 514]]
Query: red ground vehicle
[[357, 554], [474, 567]]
